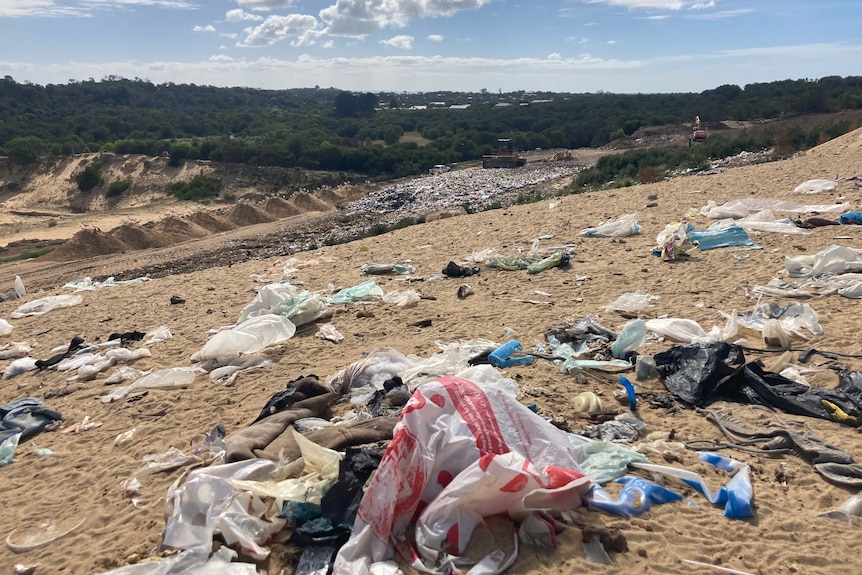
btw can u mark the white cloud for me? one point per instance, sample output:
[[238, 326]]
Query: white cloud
[[220, 58], [435, 37], [584, 73], [51, 8], [359, 18], [612, 41], [240, 15], [110, 4], [277, 28], [655, 4], [720, 15], [656, 17], [21, 8], [207, 28], [402, 42], [264, 5], [231, 35]]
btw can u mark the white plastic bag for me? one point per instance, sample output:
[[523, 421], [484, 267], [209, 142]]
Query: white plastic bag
[[171, 377], [251, 336], [5, 327], [689, 331], [402, 298], [815, 186], [46, 304], [285, 300], [626, 225], [462, 453]]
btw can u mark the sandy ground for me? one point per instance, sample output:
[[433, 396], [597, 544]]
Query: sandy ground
[[82, 478]]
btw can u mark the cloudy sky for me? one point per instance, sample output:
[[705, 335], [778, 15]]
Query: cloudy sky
[[428, 45]]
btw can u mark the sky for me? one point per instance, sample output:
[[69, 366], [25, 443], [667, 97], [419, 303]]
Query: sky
[[576, 46]]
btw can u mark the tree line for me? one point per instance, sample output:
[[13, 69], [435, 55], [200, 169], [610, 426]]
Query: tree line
[[363, 133]]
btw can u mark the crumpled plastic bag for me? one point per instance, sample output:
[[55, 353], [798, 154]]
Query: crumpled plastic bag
[[365, 291], [284, 299], [815, 186], [191, 562], [833, 259], [46, 304], [460, 453], [689, 331], [673, 240], [626, 225], [402, 298], [208, 502], [251, 336], [170, 377], [632, 302]]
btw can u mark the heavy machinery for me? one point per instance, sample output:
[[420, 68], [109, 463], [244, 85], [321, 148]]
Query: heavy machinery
[[505, 155], [698, 134]]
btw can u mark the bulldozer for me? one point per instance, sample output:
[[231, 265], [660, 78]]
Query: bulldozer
[[505, 155]]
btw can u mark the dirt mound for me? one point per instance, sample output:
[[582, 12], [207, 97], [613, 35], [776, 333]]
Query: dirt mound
[[138, 237], [179, 230], [211, 222], [305, 202], [279, 208], [87, 243], [341, 195], [248, 215]]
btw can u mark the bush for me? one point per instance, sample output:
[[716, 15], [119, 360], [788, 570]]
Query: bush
[[117, 188], [198, 188], [89, 178]]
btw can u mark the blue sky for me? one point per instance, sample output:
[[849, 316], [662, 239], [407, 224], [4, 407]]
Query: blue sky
[[623, 46]]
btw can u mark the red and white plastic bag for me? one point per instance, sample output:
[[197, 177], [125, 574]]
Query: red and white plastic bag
[[460, 452]]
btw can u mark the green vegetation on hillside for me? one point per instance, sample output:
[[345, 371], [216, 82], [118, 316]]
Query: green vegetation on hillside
[[363, 134]]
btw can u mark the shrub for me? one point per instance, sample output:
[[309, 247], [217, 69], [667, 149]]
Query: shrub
[[198, 188], [117, 188], [89, 178]]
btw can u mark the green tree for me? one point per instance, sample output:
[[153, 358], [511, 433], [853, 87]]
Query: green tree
[[89, 178], [25, 150]]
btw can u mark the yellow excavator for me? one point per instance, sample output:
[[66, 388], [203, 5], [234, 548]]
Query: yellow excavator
[[505, 155]]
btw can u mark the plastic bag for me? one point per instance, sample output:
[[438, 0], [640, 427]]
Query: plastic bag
[[689, 331], [631, 302], [194, 508], [815, 186], [191, 562], [624, 226], [367, 290], [285, 300], [251, 336], [402, 298], [5, 327], [735, 496], [319, 470], [632, 336], [833, 259], [460, 453], [46, 304], [171, 377]]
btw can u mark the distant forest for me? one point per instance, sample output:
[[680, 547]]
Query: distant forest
[[376, 135]]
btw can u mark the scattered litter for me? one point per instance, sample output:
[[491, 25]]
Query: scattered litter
[[328, 331], [84, 425], [41, 535]]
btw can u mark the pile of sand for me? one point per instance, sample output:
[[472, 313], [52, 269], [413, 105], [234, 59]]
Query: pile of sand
[[87, 243], [248, 215], [210, 221]]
